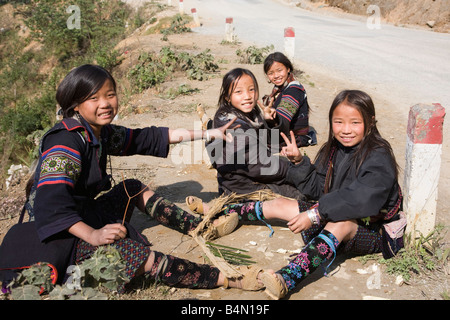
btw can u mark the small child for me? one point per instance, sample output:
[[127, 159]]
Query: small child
[[289, 100], [72, 171], [247, 164]]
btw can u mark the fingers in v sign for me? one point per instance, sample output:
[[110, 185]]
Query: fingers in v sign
[[291, 150]]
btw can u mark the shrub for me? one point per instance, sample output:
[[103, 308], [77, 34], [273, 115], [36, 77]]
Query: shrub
[[253, 54], [100, 21], [152, 69]]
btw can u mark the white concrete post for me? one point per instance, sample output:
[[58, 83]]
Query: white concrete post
[[423, 163], [181, 7], [169, 2], [195, 15], [229, 30], [289, 43]]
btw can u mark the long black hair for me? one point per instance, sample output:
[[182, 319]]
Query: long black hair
[[229, 83], [372, 139], [79, 84]]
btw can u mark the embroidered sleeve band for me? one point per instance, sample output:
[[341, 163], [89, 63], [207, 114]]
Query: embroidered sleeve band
[[60, 164]]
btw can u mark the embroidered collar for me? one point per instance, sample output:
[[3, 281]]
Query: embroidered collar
[[72, 124]]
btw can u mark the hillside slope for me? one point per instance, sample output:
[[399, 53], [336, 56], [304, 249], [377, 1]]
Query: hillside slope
[[433, 14]]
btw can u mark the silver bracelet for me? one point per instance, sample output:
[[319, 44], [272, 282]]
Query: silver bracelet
[[313, 216], [208, 138]]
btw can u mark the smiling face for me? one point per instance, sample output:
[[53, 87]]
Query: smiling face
[[244, 94], [347, 125], [100, 108], [278, 73]]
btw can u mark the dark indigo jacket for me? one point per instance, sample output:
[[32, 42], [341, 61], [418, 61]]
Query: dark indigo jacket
[[371, 192], [72, 169]]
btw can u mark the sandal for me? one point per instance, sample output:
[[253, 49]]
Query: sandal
[[275, 286], [249, 279], [226, 225], [195, 204]]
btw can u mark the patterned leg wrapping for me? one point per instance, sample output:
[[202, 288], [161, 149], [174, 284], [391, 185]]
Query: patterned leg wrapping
[[182, 273], [249, 211], [365, 241], [170, 215], [312, 256], [246, 211]]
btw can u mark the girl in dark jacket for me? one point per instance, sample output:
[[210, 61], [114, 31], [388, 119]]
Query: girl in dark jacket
[[289, 100], [71, 174]]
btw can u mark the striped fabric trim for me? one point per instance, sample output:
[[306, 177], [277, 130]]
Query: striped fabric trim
[[60, 164], [288, 107]]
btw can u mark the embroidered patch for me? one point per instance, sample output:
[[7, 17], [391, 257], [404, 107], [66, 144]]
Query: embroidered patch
[[60, 164], [287, 107], [119, 140]]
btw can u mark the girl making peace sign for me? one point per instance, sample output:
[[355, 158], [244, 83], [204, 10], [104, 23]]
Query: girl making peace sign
[[288, 100]]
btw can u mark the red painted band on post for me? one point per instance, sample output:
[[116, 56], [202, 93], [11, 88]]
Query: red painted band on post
[[289, 32], [229, 20], [193, 10], [425, 123]]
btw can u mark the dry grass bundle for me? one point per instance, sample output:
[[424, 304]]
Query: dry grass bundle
[[205, 231]]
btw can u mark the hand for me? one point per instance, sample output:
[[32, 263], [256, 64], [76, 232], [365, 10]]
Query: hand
[[291, 150], [299, 223], [221, 132], [268, 101], [269, 113], [108, 234]]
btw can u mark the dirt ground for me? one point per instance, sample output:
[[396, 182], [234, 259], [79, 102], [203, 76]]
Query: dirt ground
[[349, 278]]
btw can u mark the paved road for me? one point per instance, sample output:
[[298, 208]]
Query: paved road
[[414, 64]]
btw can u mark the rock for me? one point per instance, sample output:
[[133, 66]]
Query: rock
[[399, 280], [16, 173], [431, 23], [262, 249]]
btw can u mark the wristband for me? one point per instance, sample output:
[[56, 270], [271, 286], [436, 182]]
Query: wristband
[[208, 138], [313, 215]]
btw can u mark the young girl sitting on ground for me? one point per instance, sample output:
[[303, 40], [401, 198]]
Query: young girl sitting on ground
[[289, 100], [246, 164], [72, 172], [353, 183]]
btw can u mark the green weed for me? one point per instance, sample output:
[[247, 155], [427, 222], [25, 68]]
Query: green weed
[[253, 54], [420, 255], [105, 269], [153, 69]]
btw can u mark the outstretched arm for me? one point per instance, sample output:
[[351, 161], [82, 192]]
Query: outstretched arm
[[180, 135]]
